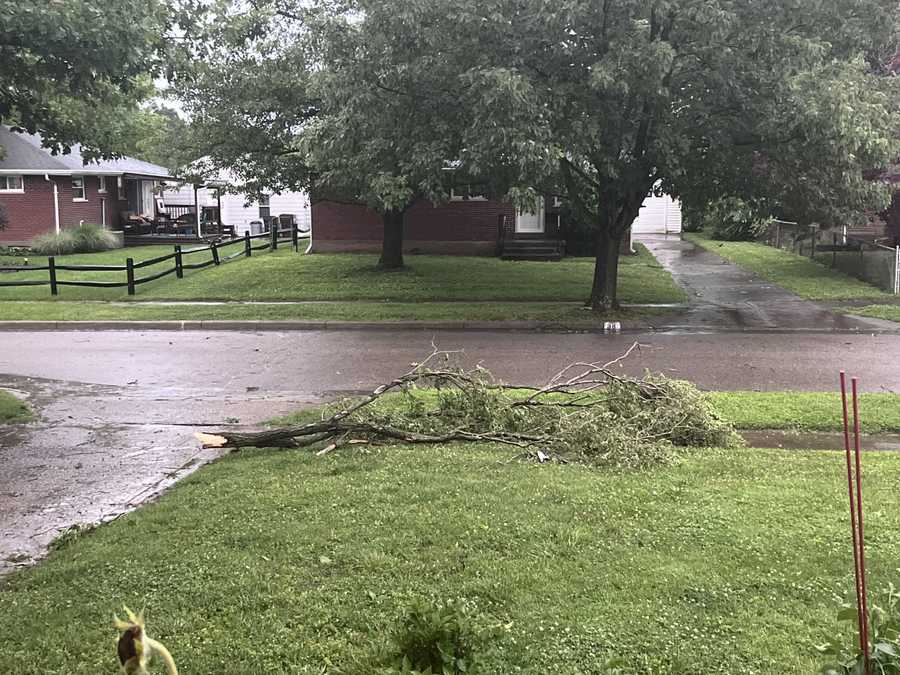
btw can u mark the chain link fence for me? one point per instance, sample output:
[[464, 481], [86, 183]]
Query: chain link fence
[[870, 261]]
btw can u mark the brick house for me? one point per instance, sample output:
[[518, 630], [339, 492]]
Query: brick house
[[44, 193], [460, 226], [474, 225]]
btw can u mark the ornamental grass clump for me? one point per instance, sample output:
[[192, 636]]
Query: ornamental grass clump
[[86, 238], [586, 413]]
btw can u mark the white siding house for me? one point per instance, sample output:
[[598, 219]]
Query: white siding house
[[658, 215], [236, 210]]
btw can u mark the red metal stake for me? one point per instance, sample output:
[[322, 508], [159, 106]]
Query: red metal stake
[[859, 614], [861, 537]]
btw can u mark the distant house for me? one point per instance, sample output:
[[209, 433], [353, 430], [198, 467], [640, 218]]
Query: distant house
[[470, 225], [43, 192], [235, 209]]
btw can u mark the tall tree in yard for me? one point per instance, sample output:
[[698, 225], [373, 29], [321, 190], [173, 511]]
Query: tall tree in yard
[[75, 72], [762, 99], [372, 102]]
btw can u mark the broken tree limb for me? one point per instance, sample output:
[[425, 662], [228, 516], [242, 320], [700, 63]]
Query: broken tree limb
[[584, 409]]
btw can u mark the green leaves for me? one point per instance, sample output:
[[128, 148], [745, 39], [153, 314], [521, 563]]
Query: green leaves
[[884, 627], [72, 69]]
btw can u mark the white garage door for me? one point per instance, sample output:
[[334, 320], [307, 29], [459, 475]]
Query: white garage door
[[658, 215]]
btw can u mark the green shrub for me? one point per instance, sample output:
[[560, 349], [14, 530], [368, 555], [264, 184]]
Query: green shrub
[[733, 219], [86, 238]]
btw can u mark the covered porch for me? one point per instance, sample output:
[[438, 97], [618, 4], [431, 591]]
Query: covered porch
[[147, 217]]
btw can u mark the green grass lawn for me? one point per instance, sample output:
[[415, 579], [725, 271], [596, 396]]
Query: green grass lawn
[[886, 312], [796, 273], [278, 561], [426, 278], [12, 410], [349, 287], [805, 411]]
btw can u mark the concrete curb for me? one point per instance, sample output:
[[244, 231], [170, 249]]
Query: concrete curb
[[508, 326], [285, 325]]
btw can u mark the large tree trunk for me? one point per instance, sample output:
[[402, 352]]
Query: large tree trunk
[[606, 271], [392, 241]]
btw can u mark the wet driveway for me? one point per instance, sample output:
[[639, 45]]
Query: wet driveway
[[723, 296]]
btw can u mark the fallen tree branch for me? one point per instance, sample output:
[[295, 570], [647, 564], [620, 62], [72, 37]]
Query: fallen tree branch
[[584, 408]]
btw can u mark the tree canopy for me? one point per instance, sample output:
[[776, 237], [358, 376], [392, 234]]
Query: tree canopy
[[771, 101], [783, 104], [75, 71], [374, 102]]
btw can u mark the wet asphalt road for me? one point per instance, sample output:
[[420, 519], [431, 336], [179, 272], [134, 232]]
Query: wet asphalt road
[[170, 367]]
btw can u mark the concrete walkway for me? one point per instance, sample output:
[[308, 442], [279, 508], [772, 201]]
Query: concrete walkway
[[725, 296]]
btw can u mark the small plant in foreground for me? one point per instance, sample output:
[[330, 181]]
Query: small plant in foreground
[[71, 534], [884, 634], [432, 640], [136, 649]]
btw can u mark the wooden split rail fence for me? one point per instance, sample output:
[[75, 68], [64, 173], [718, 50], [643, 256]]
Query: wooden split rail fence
[[179, 256]]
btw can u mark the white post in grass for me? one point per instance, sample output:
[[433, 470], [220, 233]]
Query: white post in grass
[[897, 270], [197, 209]]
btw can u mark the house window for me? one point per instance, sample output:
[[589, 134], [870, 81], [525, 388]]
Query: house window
[[467, 191], [12, 184], [102, 187], [78, 193], [264, 210], [120, 185]]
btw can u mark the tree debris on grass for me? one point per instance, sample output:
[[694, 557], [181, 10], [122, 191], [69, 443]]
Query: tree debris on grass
[[586, 413]]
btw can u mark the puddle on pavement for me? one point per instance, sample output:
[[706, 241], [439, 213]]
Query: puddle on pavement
[[797, 440]]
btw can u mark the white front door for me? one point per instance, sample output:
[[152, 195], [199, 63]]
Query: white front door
[[532, 223]]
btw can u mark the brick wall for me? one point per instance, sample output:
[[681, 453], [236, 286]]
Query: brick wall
[[71, 213], [31, 213], [468, 226]]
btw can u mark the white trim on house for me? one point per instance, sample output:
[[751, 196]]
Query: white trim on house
[[101, 182], [56, 172], [82, 188], [12, 191]]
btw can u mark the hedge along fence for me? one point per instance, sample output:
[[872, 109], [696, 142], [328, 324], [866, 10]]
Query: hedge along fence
[[179, 256]]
